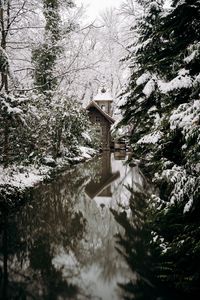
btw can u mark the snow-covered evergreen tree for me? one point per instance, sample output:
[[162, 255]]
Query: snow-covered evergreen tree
[[162, 103], [142, 101]]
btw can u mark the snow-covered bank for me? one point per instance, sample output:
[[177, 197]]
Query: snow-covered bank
[[22, 177]]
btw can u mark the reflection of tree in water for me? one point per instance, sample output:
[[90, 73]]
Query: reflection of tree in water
[[34, 236], [181, 233], [99, 249], [34, 279], [157, 274], [135, 246]]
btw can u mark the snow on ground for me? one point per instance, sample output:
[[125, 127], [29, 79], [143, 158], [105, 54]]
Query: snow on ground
[[23, 177]]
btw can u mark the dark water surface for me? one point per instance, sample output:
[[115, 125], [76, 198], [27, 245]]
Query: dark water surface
[[73, 240], [61, 245]]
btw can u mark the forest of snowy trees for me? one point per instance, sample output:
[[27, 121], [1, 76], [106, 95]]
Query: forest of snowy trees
[[52, 62], [161, 105], [53, 59]]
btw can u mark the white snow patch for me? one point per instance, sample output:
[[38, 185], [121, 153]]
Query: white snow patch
[[143, 78], [182, 184], [188, 206], [197, 167], [183, 72], [22, 177], [103, 96], [179, 82], [149, 88], [140, 100], [197, 79], [152, 109], [87, 152], [122, 101], [142, 45], [86, 136], [190, 57], [186, 117], [10, 109], [48, 159], [151, 138]]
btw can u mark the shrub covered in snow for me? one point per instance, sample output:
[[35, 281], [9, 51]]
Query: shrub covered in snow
[[34, 134]]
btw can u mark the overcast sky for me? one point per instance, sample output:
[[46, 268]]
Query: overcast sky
[[96, 6]]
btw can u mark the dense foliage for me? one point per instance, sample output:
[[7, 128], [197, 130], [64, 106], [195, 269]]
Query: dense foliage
[[36, 130], [45, 56], [162, 108], [44, 122], [161, 248], [162, 104]]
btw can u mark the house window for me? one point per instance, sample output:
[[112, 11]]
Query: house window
[[98, 119], [99, 131]]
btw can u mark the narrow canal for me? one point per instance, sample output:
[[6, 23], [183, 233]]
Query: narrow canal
[[73, 238], [61, 244]]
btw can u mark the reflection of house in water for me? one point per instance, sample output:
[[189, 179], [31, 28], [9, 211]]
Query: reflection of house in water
[[120, 155], [102, 187]]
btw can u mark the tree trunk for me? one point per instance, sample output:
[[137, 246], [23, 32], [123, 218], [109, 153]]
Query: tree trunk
[[4, 80]]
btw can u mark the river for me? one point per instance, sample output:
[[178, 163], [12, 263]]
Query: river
[[61, 244], [73, 239]]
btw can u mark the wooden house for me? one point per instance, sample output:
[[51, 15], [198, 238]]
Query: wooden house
[[100, 109]]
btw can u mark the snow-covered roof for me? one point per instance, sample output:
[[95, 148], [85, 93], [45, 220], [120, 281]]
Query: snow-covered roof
[[103, 96], [94, 104]]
